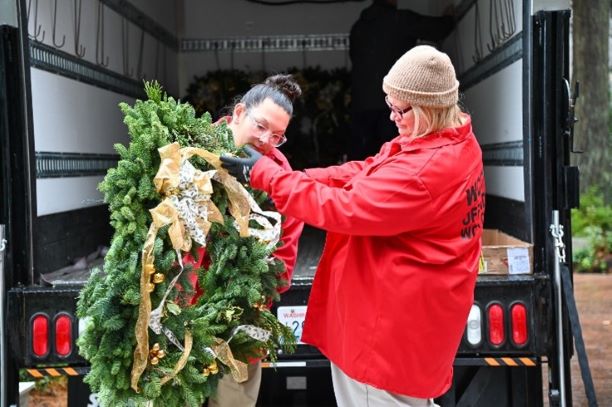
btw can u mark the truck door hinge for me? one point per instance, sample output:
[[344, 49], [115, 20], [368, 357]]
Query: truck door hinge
[[557, 232]]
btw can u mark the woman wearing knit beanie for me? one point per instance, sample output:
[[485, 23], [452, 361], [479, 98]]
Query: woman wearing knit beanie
[[396, 279]]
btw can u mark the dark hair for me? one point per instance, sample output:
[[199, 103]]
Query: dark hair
[[282, 89]]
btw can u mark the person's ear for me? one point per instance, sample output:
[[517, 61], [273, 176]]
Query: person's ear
[[239, 109]]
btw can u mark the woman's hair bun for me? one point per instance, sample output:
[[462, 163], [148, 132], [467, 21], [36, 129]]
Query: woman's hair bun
[[286, 84]]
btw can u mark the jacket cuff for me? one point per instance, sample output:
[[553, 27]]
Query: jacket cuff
[[262, 173]]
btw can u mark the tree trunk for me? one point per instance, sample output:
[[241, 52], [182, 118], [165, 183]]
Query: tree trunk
[[591, 69]]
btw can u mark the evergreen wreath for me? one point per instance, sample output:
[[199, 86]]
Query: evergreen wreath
[[187, 358]]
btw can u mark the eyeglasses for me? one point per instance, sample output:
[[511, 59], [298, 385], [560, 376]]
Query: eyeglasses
[[261, 130], [399, 112]]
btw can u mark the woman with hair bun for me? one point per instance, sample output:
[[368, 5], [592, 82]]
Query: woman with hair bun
[[260, 119], [395, 283], [262, 115]]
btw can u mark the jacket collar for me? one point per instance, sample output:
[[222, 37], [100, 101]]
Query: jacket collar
[[440, 138]]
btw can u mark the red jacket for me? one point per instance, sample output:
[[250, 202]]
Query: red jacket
[[396, 279], [292, 229]]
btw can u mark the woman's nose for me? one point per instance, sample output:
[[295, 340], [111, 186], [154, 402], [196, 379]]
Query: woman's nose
[[263, 137]]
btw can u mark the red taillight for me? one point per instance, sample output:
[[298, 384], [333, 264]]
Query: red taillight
[[495, 321], [519, 324], [40, 335], [63, 335]]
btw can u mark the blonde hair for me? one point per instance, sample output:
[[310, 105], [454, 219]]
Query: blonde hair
[[434, 119]]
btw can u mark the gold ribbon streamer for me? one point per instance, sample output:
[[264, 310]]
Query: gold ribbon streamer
[[180, 364], [224, 354], [141, 352]]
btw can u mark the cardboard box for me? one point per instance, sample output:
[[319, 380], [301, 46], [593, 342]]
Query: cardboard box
[[504, 254]]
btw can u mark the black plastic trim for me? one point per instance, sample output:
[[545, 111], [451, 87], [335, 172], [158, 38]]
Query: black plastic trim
[[61, 63], [61, 165], [503, 154]]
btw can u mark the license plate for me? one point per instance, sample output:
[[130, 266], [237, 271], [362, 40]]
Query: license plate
[[293, 317]]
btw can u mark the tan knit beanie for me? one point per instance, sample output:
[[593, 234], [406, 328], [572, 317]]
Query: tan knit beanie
[[423, 76]]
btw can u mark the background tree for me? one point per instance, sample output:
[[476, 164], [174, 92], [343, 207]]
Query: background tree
[[591, 24]]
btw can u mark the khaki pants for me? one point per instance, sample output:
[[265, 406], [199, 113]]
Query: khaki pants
[[351, 393], [233, 394]]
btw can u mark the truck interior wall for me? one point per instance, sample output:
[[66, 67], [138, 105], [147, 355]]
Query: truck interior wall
[[120, 39], [470, 41], [76, 120], [490, 69], [242, 19], [163, 12], [8, 13], [497, 116], [75, 127], [222, 19]]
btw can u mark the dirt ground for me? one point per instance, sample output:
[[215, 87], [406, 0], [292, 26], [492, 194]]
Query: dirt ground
[[593, 294], [594, 301], [52, 395]]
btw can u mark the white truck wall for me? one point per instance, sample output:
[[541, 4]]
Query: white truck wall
[[462, 45], [160, 11], [538, 5], [495, 100], [497, 111], [74, 118], [164, 12], [8, 13]]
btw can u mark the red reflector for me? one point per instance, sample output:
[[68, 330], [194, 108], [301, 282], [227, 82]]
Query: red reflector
[[496, 324], [519, 324], [40, 335], [63, 335]]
